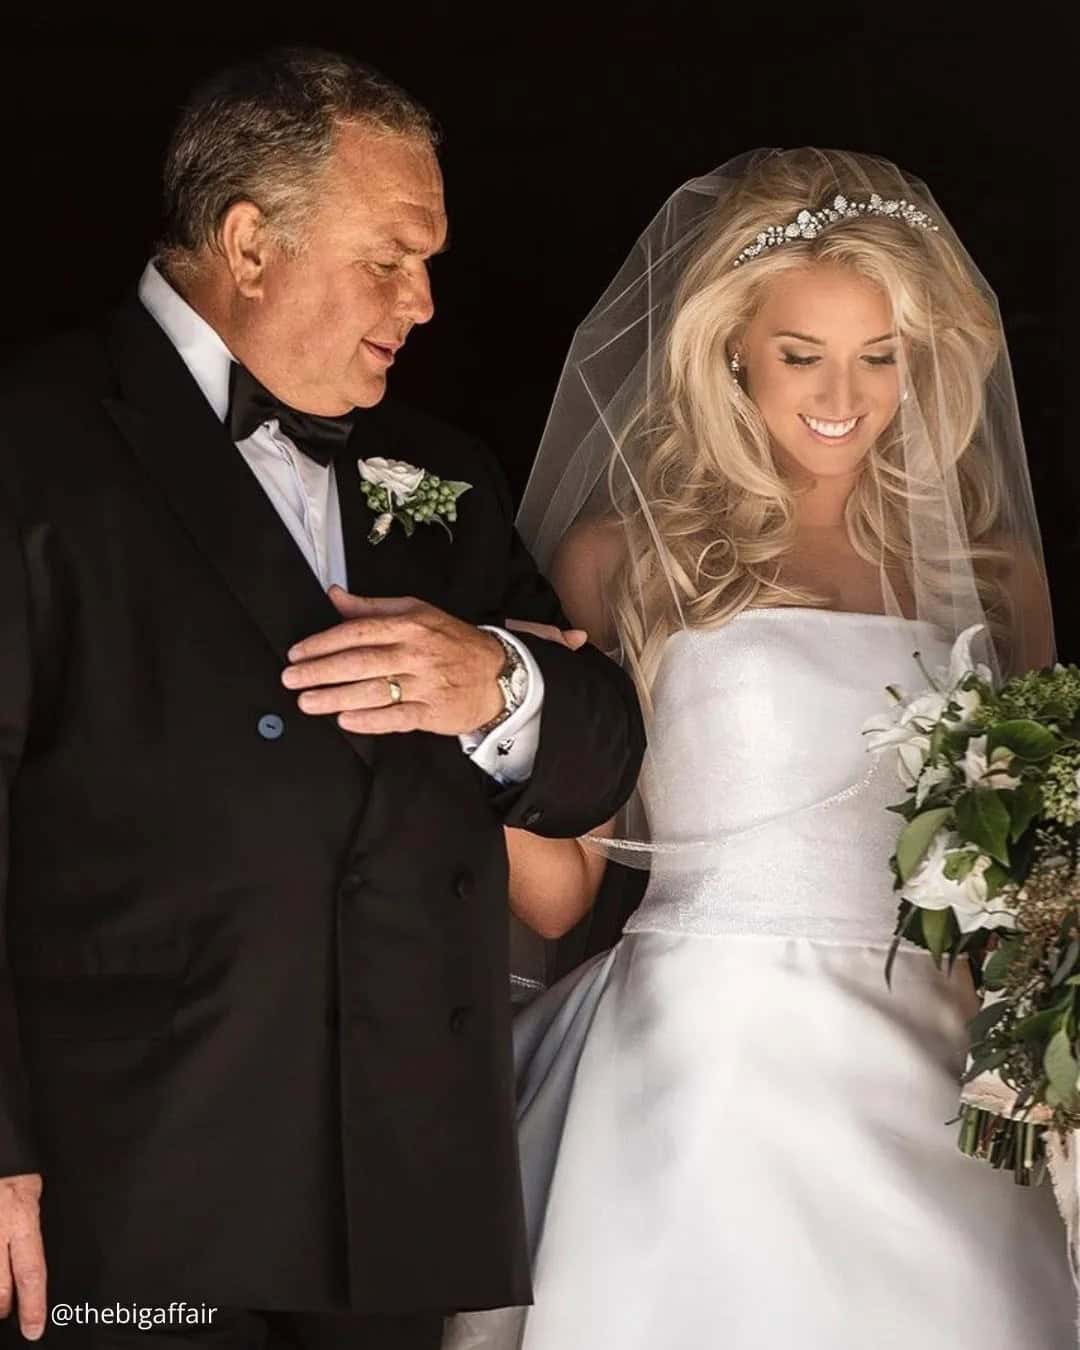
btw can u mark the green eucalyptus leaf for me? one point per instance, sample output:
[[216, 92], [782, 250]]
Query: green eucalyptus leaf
[[907, 926], [956, 741], [1038, 1025], [982, 818], [995, 877], [936, 927], [985, 1064], [986, 1019], [1022, 856], [1060, 1066], [1025, 738], [1066, 964], [915, 839], [1023, 804], [971, 945], [996, 968], [890, 960]]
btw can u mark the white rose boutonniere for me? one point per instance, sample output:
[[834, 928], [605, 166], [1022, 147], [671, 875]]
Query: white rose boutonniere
[[396, 490]]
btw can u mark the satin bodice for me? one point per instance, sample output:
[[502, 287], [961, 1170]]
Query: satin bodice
[[731, 1138], [768, 812]]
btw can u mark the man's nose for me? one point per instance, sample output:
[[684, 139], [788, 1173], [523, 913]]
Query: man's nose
[[417, 302]]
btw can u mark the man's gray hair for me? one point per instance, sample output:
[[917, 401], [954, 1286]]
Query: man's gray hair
[[263, 132]]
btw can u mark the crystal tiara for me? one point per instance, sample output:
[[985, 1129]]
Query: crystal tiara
[[809, 224]]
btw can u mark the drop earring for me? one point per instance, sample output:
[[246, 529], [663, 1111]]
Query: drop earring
[[735, 365]]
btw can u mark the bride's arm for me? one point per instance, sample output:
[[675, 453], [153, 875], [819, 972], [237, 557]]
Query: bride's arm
[[553, 882]]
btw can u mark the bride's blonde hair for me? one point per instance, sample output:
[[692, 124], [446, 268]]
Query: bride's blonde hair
[[714, 494]]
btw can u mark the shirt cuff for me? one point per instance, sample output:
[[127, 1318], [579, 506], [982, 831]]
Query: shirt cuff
[[508, 752]]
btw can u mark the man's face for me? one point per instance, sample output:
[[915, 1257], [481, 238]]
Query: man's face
[[323, 329]]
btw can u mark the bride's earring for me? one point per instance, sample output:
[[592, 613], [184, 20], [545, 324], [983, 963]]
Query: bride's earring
[[735, 365]]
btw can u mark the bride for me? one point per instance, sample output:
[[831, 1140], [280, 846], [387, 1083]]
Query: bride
[[784, 457]]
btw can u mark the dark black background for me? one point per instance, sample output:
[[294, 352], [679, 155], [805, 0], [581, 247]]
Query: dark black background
[[565, 129]]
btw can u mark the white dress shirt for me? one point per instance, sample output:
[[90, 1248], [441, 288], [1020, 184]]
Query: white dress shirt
[[305, 496]]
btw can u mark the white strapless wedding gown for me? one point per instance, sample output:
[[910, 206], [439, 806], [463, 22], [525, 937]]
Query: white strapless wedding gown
[[733, 1135]]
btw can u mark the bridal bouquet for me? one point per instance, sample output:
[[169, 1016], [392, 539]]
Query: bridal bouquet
[[986, 864]]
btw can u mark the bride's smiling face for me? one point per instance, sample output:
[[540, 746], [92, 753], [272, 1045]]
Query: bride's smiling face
[[821, 364]]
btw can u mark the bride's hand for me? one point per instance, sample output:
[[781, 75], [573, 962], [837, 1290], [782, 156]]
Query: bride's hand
[[569, 637]]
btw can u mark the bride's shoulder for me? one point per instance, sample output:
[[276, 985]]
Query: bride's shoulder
[[582, 571]]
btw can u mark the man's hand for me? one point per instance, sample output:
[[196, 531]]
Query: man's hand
[[568, 637], [447, 671], [22, 1254]]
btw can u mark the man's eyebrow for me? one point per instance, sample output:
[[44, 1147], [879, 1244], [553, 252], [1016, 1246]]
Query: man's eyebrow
[[415, 252]]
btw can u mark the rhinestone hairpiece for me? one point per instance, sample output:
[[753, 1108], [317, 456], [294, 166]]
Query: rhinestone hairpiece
[[809, 224]]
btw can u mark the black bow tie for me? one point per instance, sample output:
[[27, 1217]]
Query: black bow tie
[[251, 404]]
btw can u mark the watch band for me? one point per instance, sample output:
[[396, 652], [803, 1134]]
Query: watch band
[[511, 702]]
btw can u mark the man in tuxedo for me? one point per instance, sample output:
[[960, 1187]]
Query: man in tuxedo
[[255, 765]]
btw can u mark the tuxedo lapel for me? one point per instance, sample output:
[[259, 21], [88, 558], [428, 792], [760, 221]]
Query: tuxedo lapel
[[162, 414]]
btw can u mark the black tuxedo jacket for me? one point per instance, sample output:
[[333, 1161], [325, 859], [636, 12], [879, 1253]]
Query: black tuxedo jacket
[[254, 1012]]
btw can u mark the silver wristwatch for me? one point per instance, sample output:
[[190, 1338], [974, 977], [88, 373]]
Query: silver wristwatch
[[513, 684]]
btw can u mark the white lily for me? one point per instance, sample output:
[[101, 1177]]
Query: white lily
[[910, 722], [960, 659], [907, 727], [988, 772], [931, 776], [929, 888], [967, 701]]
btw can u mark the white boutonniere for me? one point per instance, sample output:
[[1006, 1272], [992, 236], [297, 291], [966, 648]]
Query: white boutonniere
[[399, 491]]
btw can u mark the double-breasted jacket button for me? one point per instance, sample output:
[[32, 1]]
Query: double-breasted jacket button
[[459, 1018], [463, 884], [271, 727], [532, 817]]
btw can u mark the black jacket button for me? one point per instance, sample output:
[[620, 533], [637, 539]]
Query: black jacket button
[[458, 1019], [463, 885], [271, 727], [532, 817]]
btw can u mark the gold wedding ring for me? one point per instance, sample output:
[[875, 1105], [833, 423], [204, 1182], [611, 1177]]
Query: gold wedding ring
[[395, 690]]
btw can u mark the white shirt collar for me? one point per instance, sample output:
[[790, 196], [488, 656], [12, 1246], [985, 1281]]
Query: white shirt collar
[[201, 347]]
